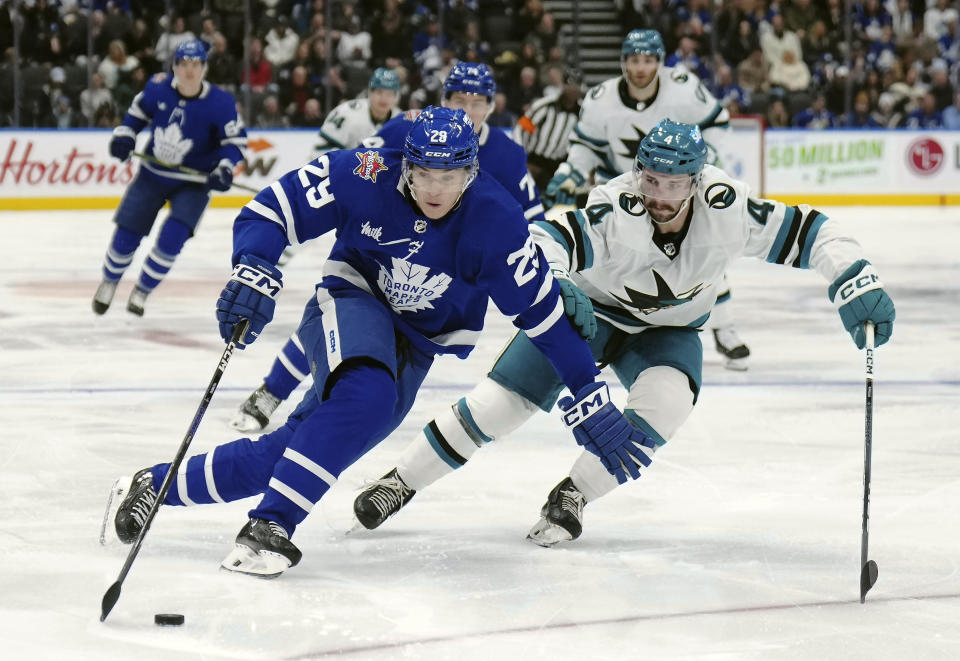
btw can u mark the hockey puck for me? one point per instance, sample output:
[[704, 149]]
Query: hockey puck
[[168, 619]]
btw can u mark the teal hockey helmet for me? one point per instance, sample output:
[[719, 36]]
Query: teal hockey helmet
[[648, 42], [384, 79], [672, 148]]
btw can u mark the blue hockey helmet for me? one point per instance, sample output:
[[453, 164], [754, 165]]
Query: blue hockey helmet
[[470, 77], [195, 49], [441, 138], [648, 42], [672, 148], [384, 79]]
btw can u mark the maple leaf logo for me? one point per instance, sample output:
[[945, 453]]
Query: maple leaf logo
[[409, 287], [370, 164], [169, 145]]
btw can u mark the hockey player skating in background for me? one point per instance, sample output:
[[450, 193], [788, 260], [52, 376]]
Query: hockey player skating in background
[[614, 117], [469, 87], [639, 268], [193, 124], [423, 242], [352, 121]]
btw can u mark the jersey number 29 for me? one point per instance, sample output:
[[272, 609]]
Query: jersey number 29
[[318, 195]]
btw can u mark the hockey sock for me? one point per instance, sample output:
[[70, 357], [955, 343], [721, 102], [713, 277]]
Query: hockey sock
[[120, 253], [358, 414], [160, 260], [448, 441], [721, 316], [289, 369]]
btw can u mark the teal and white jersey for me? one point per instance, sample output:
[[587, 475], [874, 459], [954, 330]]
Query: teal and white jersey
[[612, 123], [637, 279], [347, 125]]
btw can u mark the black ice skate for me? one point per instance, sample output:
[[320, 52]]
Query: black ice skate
[[263, 549], [382, 499], [732, 348], [255, 413], [104, 295], [138, 497], [561, 516], [137, 301]]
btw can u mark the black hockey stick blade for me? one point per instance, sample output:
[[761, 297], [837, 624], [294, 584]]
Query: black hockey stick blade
[[110, 598], [868, 576]]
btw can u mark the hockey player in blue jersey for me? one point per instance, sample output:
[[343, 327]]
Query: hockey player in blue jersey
[[423, 240], [640, 269], [469, 87], [193, 124]]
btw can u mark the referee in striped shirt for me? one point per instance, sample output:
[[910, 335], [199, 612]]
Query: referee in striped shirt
[[544, 129]]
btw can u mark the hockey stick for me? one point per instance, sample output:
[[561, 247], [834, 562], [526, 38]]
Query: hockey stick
[[869, 569], [112, 594], [185, 170]]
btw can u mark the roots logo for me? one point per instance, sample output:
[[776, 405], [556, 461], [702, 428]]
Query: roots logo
[[925, 156]]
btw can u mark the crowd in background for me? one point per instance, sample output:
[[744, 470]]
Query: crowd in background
[[788, 60]]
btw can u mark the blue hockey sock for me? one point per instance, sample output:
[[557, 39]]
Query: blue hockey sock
[[119, 253], [289, 369], [358, 414], [158, 263]]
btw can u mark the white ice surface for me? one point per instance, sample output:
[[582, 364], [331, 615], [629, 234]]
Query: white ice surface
[[741, 542]]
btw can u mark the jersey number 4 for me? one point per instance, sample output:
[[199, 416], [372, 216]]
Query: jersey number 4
[[317, 195]]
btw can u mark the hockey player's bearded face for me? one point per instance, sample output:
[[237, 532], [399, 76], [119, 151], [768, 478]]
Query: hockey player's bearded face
[[664, 195], [477, 106], [436, 191], [381, 101], [640, 69]]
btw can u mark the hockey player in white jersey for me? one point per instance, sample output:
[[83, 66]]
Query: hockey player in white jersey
[[352, 121], [639, 267], [615, 116]]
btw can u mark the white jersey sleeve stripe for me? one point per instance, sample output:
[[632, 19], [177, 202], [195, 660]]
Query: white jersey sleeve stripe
[[266, 212], [547, 323], [287, 212]]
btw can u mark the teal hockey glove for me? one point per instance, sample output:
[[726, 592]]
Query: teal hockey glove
[[562, 188], [859, 296], [576, 305]]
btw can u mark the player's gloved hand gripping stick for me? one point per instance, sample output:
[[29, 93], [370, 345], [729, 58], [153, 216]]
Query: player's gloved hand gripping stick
[[217, 174]]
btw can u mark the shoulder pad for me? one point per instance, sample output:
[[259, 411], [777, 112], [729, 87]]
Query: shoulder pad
[[680, 76], [158, 77]]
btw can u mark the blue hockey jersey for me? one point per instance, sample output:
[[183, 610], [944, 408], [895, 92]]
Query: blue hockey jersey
[[435, 276], [195, 132], [499, 156]]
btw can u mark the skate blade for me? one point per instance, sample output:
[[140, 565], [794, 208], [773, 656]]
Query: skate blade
[[246, 423], [117, 493], [547, 534], [736, 364], [358, 529], [244, 560]]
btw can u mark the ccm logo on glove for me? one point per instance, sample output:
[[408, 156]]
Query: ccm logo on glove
[[866, 281], [585, 408], [256, 279]]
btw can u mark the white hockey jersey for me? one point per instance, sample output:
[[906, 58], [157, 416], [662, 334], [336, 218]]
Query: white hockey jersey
[[637, 279], [612, 123], [347, 125]]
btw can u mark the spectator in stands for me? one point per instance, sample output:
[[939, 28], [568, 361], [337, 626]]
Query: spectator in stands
[[526, 90], [281, 44], [117, 23], [546, 33], [901, 20], [208, 31], [261, 73], [782, 50], [816, 116], [222, 68], [93, 97], [389, 35], [886, 115], [295, 93], [951, 115], [799, 17], [685, 56], [940, 85], [169, 40], [53, 90], [527, 19], [869, 19], [270, 116], [726, 90], [129, 88], [139, 43], [740, 40], [860, 116], [883, 51], [817, 46], [310, 117], [753, 74], [926, 116], [652, 15], [62, 115], [116, 64], [355, 45], [936, 17], [472, 41], [501, 117], [777, 115], [427, 46]]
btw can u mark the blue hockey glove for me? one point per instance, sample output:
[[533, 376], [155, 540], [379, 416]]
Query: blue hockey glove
[[577, 305], [222, 176], [860, 297], [250, 294], [121, 146], [603, 430], [562, 188]]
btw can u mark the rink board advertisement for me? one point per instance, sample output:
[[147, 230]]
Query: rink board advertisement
[[863, 167], [50, 169]]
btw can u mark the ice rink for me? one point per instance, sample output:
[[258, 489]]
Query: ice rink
[[742, 541]]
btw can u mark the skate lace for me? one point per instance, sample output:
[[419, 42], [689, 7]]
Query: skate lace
[[265, 402], [277, 529], [572, 500], [388, 494], [142, 506]]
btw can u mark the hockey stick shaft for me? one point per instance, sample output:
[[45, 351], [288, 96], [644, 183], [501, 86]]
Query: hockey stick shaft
[[185, 170], [112, 594], [868, 568]]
